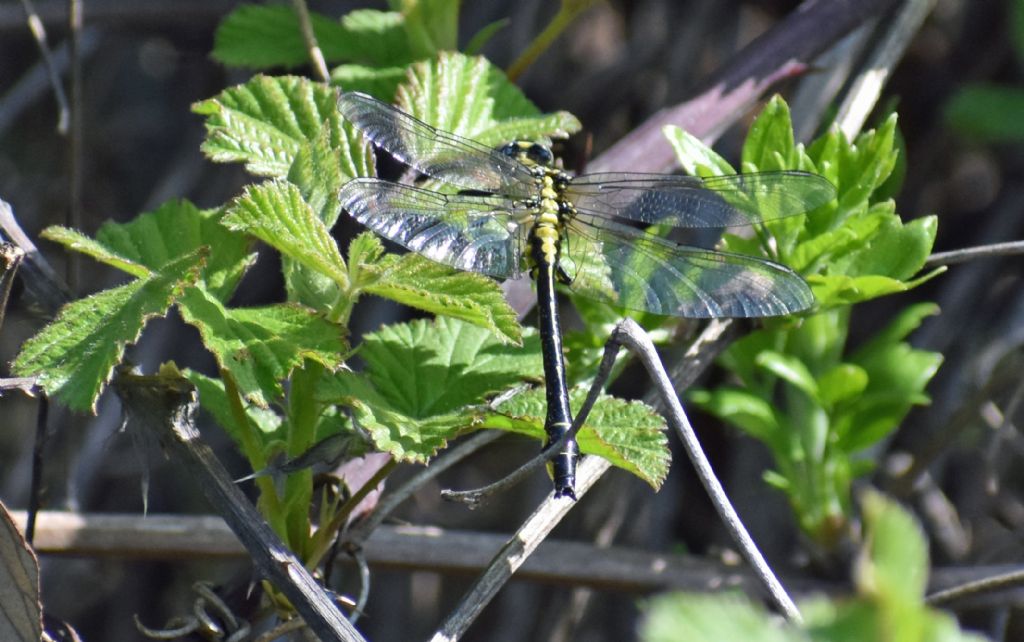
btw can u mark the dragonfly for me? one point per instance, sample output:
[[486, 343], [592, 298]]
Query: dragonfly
[[510, 211]]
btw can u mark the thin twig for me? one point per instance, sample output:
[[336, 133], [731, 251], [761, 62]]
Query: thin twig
[[1009, 248], [38, 461], [316, 56], [1002, 581], [516, 551], [633, 337], [35, 25]]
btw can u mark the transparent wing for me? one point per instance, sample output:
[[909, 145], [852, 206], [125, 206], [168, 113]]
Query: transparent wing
[[434, 152], [472, 233], [689, 201], [639, 271]]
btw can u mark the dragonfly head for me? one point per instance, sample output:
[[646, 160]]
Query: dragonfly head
[[529, 153]]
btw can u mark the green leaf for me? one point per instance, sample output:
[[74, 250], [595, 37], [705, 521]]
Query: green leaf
[[906, 321], [842, 383], [427, 368], [790, 369], [261, 346], [431, 25], [629, 434], [381, 82], [178, 228], [816, 252], [404, 438], [895, 250], [75, 240], [745, 410], [378, 38], [840, 289], [420, 379], [865, 164], [471, 97], [264, 36], [699, 617], [322, 166], [74, 356], [769, 144], [696, 158], [418, 282], [265, 122], [275, 213], [895, 566], [987, 113]]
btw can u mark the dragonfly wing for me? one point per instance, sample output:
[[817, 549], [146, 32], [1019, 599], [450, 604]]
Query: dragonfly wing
[[434, 152], [471, 233], [639, 271], [690, 201]]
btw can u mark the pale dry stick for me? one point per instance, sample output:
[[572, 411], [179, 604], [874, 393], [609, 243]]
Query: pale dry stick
[[817, 92], [35, 25], [316, 56], [867, 87], [516, 550], [630, 335]]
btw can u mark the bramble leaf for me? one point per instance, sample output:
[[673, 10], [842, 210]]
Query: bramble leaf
[[74, 356]]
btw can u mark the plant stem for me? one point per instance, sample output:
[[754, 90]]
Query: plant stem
[[567, 12]]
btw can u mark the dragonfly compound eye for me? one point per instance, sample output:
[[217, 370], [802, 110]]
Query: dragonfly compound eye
[[540, 154]]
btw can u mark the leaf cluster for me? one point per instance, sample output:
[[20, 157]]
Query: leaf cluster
[[817, 403]]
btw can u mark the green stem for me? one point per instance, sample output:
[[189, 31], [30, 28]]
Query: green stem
[[253, 451], [566, 14], [303, 415], [325, 534]]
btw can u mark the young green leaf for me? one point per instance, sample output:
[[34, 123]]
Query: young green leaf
[[177, 228], [696, 158], [75, 240], [261, 346], [769, 144], [265, 122], [629, 434], [275, 213], [479, 102], [74, 356], [418, 282], [698, 617]]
